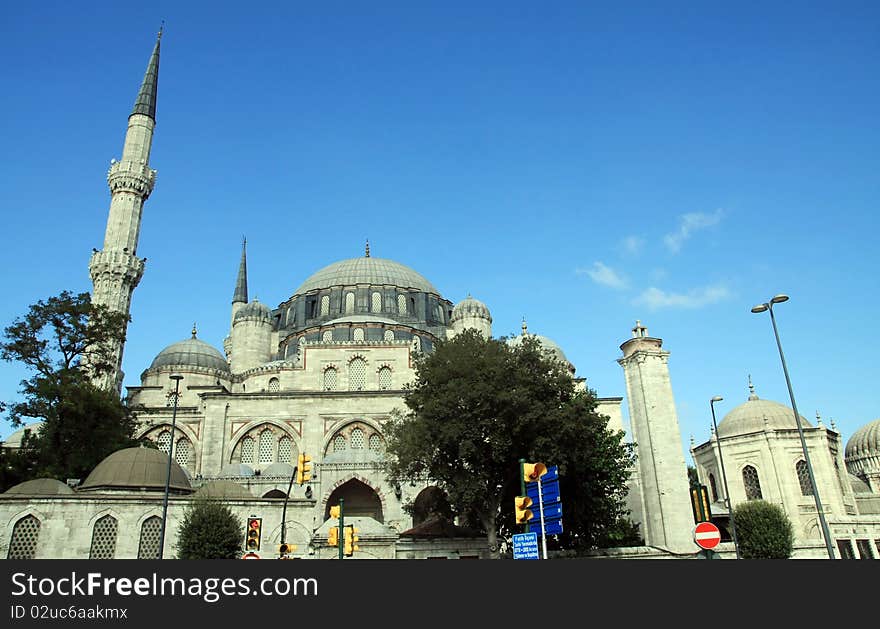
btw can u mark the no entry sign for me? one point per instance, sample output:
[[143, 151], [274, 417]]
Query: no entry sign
[[707, 535]]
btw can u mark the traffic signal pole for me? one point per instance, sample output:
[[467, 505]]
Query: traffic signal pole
[[522, 488], [541, 512], [284, 511], [341, 529]]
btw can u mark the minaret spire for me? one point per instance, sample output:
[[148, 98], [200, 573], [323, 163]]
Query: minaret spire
[[241, 291], [116, 270]]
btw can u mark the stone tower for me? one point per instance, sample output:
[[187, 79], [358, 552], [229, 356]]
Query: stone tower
[[667, 520], [116, 269]]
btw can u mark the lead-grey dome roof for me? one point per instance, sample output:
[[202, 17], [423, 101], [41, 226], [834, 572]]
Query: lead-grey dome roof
[[862, 453], [547, 345], [754, 414], [190, 353], [137, 468], [40, 487], [366, 270], [470, 307]]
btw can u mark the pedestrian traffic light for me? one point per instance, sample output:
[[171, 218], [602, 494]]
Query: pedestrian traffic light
[[334, 512], [303, 469], [533, 471], [252, 539], [284, 549], [522, 513], [333, 536], [351, 540]]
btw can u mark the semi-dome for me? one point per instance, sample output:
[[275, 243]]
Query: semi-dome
[[137, 468], [278, 469], [366, 270], [754, 414], [192, 352], [470, 307], [40, 487], [255, 310], [234, 470], [223, 489]]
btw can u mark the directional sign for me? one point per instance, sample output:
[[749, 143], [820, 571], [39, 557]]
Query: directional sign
[[707, 535], [549, 491], [525, 546]]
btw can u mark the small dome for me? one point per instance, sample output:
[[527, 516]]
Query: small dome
[[366, 270], [862, 453], [235, 470], [137, 468], [470, 307], [224, 489], [254, 310], [284, 470], [549, 346], [14, 440], [191, 353], [755, 414], [40, 487]]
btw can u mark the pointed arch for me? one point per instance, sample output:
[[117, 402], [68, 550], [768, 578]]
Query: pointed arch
[[361, 499]]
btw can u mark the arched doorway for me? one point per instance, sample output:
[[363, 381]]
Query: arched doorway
[[431, 503], [361, 500]]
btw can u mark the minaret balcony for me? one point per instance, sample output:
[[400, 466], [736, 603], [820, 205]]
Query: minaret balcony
[[131, 177]]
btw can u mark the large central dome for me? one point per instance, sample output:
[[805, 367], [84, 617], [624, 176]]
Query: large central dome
[[366, 270]]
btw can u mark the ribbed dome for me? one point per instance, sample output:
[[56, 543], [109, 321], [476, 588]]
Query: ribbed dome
[[136, 468], [366, 270], [191, 353], [750, 417], [470, 307], [254, 309], [40, 487], [862, 453]]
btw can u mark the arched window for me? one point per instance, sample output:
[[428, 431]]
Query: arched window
[[104, 538], [803, 474], [357, 374], [149, 544], [349, 302], [712, 487], [330, 379], [325, 305], [751, 482], [338, 443], [357, 439], [384, 378], [25, 535], [267, 440], [172, 399], [401, 304], [247, 450], [376, 443], [163, 441], [376, 302], [438, 313], [358, 335], [183, 452], [327, 336], [274, 385], [416, 344], [285, 449], [389, 335]]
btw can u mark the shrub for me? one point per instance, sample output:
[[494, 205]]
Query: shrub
[[763, 530], [210, 531]]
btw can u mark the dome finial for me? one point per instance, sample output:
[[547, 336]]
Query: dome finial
[[194, 330], [752, 395], [525, 328], [818, 419], [367, 252]]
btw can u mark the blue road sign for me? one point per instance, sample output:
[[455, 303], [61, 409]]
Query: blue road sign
[[549, 491], [551, 512], [552, 527], [525, 546]]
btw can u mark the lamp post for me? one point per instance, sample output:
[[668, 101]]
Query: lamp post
[[768, 306], [718, 398], [177, 378]]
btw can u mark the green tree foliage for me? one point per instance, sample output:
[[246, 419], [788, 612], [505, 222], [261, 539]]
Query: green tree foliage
[[66, 342], [693, 480], [478, 406], [210, 530], [763, 530]]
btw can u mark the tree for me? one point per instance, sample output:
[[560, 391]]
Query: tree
[[477, 406], [67, 342], [210, 530], [693, 479], [763, 530]]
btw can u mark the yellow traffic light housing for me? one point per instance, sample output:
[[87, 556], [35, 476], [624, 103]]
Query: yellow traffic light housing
[[533, 471], [334, 512], [351, 540], [303, 469], [253, 534], [284, 549], [522, 513], [333, 536]]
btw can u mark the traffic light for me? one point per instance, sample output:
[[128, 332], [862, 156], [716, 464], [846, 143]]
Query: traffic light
[[351, 540], [700, 504], [533, 471], [333, 536], [522, 513], [334, 512], [285, 549], [252, 540], [303, 469]]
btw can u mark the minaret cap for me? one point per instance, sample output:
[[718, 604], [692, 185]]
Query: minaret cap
[[241, 291], [146, 98], [639, 331]]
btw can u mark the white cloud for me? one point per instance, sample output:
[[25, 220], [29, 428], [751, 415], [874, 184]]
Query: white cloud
[[688, 224], [655, 299], [604, 275], [632, 245]]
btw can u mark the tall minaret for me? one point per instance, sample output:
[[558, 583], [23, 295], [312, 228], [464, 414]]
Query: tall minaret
[[666, 508], [116, 269], [239, 297]]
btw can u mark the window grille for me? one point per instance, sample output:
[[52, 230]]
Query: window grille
[[164, 441], [389, 335], [327, 336], [376, 302], [325, 305], [284, 450], [247, 450], [357, 374], [274, 385], [183, 452], [149, 544], [401, 304], [357, 439], [266, 439], [330, 379], [803, 475], [358, 335], [104, 538], [338, 443], [25, 535], [751, 482], [385, 378], [349, 302], [375, 443]]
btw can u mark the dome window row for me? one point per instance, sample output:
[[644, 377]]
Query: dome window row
[[356, 436], [263, 445], [357, 377], [183, 449], [391, 303]]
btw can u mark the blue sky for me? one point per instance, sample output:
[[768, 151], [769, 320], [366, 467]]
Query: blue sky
[[579, 165]]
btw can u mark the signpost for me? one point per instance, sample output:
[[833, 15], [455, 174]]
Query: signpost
[[707, 536], [545, 495], [525, 546]]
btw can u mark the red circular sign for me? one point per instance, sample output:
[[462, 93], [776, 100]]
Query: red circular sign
[[707, 535], [250, 556]]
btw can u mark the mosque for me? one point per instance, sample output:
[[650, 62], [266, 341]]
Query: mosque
[[320, 373]]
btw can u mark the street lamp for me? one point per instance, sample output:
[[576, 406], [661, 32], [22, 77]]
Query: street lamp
[[177, 378], [768, 306], [718, 398]]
